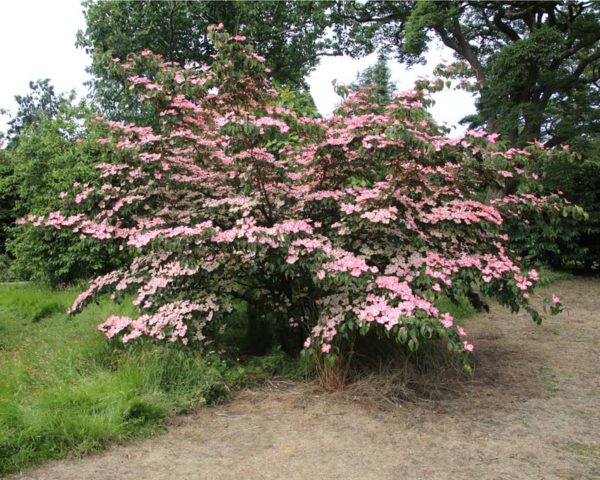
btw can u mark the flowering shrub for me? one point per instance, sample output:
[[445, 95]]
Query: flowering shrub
[[332, 226]]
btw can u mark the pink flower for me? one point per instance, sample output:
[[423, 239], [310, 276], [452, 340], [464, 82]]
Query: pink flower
[[468, 346], [326, 348], [492, 137], [447, 321], [555, 299], [534, 275]]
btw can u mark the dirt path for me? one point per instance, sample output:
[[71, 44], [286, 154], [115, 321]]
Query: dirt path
[[532, 411]]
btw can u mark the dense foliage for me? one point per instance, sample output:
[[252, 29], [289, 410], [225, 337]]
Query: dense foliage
[[46, 159], [7, 200], [328, 228], [578, 176]]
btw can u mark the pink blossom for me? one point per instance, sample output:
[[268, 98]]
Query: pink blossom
[[446, 320], [534, 275], [492, 137]]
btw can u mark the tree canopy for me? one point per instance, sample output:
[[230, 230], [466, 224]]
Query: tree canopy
[[292, 35], [40, 103], [536, 65]]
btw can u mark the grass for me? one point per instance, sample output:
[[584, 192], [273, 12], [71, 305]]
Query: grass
[[584, 449], [460, 310], [548, 277], [65, 390]]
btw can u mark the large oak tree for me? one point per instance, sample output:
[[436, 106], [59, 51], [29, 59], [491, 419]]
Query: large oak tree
[[536, 64]]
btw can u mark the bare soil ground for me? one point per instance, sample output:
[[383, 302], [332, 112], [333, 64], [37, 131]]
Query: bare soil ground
[[531, 411]]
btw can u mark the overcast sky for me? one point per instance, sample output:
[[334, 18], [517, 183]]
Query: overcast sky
[[37, 40]]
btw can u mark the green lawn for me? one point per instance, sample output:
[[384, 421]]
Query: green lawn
[[65, 389]]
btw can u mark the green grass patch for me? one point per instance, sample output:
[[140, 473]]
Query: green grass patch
[[548, 277], [583, 449], [460, 310], [65, 390]]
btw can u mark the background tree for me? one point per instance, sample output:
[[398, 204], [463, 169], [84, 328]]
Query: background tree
[[536, 64], [46, 162], [32, 108], [40, 103], [7, 200], [379, 78], [49, 149], [290, 34]]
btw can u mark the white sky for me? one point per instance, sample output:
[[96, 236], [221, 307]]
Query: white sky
[[37, 40]]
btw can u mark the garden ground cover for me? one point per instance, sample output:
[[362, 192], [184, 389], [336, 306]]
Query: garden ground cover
[[531, 411]]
